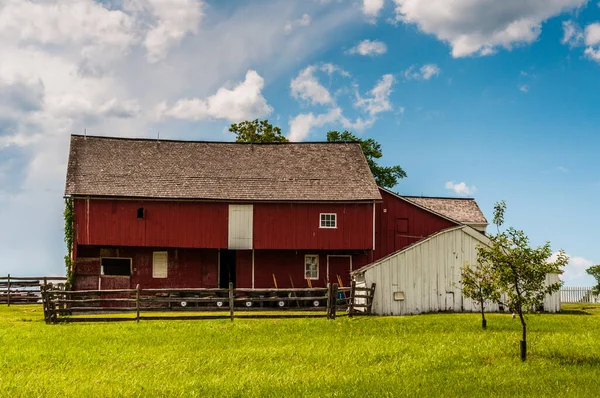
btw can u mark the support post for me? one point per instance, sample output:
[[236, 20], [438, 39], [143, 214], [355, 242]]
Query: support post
[[231, 302], [45, 301], [137, 303], [328, 301], [8, 290], [351, 304], [334, 299]]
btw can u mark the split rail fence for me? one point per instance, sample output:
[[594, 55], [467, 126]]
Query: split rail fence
[[26, 290], [187, 304], [574, 294]]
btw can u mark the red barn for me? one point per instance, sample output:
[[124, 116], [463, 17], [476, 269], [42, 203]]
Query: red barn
[[202, 214]]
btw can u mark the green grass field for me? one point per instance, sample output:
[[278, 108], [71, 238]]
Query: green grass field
[[428, 355]]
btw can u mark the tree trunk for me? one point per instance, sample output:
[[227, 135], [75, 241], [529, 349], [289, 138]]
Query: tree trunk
[[483, 321], [524, 340]]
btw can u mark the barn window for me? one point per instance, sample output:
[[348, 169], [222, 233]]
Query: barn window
[[140, 212], [328, 220], [311, 266], [159, 264], [116, 266]]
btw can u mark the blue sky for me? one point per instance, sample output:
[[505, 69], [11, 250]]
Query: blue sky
[[496, 100]]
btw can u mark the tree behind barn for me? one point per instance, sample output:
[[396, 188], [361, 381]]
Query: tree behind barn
[[257, 131], [520, 271], [386, 177]]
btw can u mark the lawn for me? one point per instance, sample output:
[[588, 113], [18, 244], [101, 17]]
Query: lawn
[[428, 355]]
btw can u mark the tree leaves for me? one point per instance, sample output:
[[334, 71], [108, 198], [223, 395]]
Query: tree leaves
[[257, 131]]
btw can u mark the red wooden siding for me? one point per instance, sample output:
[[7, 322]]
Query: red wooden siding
[[165, 223], [399, 223], [296, 226], [187, 268]]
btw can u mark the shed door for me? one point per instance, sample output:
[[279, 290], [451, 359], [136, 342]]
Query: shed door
[[240, 227]]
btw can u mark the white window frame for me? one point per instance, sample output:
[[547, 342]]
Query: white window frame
[[306, 256], [154, 273], [328, 214]]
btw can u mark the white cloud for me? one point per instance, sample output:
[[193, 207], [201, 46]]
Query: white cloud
[[592, 40], [174, 19], [379, 99], [524, 88], [244, 101], [305, 20], [461, 188], [479, 27], [368, 47], [306, 86], [572, 34], [425, 72], [301, 125], [371, 8], [574, 273]]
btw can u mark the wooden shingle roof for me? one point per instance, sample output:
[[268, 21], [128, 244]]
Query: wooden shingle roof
[[464, 210], [145, 168]]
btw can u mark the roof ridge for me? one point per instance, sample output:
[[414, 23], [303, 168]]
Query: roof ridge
[[207, 141]]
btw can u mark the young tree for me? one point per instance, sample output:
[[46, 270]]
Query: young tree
[[478, 283], [520, 271], [594, 271], [257, 131], [386, 177]]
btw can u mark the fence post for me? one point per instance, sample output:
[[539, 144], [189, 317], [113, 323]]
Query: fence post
[[334, 299], [137, 303], [8, 290], [44, 302], [231, 302], [351, 305], [329, 289]]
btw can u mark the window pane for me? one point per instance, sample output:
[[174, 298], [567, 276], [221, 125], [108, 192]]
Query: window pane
[[116, 266]]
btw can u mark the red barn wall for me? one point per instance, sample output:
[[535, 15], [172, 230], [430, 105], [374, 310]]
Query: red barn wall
[[187, 268], [165, 223], [296, 226], [399, 224], [286, 264]]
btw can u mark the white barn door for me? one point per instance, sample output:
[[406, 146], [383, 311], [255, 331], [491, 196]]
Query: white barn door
[[240, 227]]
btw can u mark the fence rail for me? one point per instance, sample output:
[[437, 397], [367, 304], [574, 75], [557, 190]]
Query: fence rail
[[93, 305], [577, 294], [26, 290]]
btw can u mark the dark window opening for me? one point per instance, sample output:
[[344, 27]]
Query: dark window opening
[[140, 212], [116, 266], [227, 268]]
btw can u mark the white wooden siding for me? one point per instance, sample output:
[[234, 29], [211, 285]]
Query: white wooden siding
[[428, 273], [159, 265], [240, 227]]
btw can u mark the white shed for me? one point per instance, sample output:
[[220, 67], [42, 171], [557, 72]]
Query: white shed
[[425, 276]]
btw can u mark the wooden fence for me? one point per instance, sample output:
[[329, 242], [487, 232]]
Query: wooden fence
[[574, 294], [93, 305], [26, 290]]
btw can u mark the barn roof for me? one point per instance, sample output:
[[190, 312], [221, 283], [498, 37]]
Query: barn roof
[[484, 240], [464, 210], [147, 168]]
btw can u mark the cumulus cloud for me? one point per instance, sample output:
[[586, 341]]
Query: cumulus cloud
[[572, 34], [368, 47], [371, 8], [174, 19], [301, 125], [244, 101], [21, 95], [425, 72], [379, 97], [480, 27], [574, 273], [305, 20], [461, 188], [306, 86]]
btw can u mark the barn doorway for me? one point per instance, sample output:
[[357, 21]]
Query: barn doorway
[[227, 262]]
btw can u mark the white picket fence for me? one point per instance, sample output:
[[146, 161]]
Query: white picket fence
[[576, 294]]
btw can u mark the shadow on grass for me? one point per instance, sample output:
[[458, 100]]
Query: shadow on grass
[[574, 359], [574, 312]]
